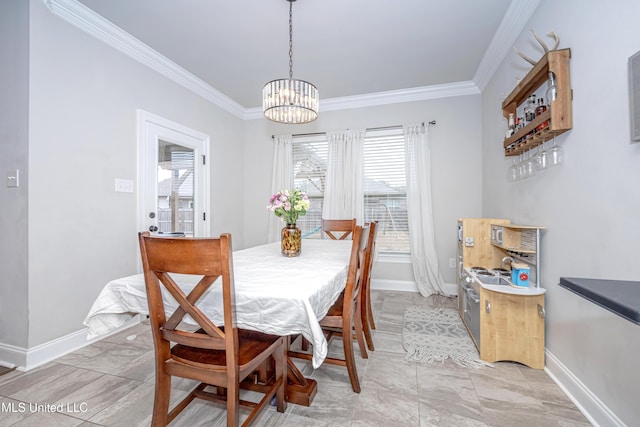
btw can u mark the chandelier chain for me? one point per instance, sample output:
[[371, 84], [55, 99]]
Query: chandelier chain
[[290, 39], [290, 100]]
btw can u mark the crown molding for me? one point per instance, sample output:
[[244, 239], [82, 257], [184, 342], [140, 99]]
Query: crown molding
[[513, 22], [388, 97], [87, 20]]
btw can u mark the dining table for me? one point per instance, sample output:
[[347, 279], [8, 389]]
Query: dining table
[[274, 294]]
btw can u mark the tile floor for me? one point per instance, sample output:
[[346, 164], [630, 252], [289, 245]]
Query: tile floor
[[110, 383]]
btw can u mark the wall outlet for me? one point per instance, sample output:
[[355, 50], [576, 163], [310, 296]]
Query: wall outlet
[[13, 178], [124, 185], [452, 263]]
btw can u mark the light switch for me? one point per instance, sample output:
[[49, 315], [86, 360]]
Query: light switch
[[124, 185], [13, 178]]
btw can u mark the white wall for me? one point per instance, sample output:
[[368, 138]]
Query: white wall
[[591, 203], [82, 108], [456, 163], [14, 122]]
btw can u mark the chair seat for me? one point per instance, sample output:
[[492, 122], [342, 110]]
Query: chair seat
[[251, 345]]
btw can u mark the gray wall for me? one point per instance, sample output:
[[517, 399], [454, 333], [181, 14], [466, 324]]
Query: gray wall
[[591, 203], [456, 163], [14, 127], [82, 135]]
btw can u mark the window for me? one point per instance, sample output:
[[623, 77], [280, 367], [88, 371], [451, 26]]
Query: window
[[385, 197]]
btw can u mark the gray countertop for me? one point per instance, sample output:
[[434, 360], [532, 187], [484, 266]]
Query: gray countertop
[[621, 297]]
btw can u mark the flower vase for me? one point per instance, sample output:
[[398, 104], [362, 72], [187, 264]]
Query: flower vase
[[291, 240]]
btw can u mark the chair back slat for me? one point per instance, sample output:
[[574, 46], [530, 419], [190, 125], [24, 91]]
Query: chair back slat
[[194, 340], [209, 258], [344, 226]]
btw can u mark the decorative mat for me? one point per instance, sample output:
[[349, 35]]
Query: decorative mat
[[432, 334]]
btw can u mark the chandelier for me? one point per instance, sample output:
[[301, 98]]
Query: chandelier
[[290, 100]]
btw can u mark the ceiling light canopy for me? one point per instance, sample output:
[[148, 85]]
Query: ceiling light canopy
[[290, 100]]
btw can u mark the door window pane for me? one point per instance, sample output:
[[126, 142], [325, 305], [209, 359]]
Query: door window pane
[[175, 188]]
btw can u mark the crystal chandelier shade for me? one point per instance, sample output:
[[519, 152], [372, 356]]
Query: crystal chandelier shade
[[290, 100]]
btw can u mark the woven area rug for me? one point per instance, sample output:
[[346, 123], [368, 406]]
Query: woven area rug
[[431, 334]]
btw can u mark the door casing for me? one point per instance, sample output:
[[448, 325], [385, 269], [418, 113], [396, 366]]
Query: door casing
[[151, 129]]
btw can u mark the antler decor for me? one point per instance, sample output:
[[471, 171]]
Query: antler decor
[[551, 34]]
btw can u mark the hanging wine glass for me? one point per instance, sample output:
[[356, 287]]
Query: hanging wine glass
[[555, 154], [512, 173], [531, 165], [522, 174], [542, 158]]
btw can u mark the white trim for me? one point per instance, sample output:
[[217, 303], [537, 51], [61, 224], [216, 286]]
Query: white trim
[[87, 20], [585, 400], [27, 359], [407, 286], [513, 22]]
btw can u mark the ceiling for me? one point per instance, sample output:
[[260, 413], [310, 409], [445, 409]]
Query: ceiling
[[345, 47]]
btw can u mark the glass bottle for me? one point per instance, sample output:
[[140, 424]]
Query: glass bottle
[[530, 108], [541, 108]]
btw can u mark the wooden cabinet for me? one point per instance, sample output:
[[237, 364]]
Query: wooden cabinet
[[558, 115], [512, 328]]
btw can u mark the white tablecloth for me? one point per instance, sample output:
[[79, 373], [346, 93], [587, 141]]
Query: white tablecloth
[[274, 294]]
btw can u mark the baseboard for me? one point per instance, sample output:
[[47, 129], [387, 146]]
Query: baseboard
[[25, 359], [588, 403], [407, 286]]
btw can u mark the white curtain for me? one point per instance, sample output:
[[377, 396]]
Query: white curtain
[[281, 179], [424, 258], [344, 193]]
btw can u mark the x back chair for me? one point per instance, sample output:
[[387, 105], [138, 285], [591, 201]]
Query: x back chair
[[345, 314], [365, 307], [344, 226], [216, 355]]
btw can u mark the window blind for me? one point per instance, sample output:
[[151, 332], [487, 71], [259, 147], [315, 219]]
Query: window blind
[[385, 189]]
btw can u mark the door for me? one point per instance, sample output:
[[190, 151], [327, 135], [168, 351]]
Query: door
[[173, 177]]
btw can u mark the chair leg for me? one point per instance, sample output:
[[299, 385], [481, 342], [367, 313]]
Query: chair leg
[[359, 329], [161, 400], [350, 361], [367, 307], [281, 372], [367, 320], [370, 314], [233, 404], [367, 334]]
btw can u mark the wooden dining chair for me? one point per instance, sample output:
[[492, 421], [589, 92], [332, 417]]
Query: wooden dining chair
[[344, 226], [215, 355], [344, 316], [367, 312]]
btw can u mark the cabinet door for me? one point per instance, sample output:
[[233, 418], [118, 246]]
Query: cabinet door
[[511, 328]]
